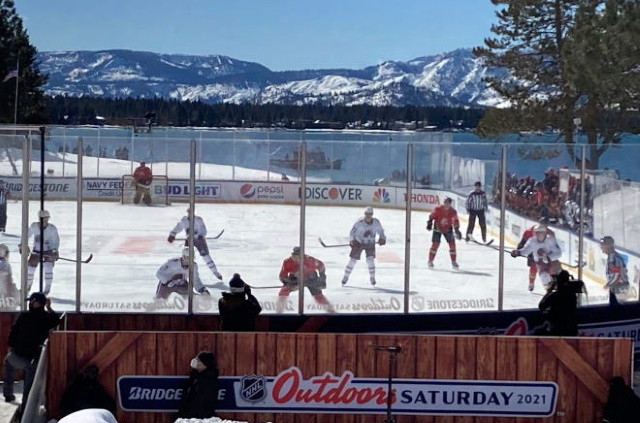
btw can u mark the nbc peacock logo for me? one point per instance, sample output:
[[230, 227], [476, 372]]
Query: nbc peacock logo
[[381, 196]]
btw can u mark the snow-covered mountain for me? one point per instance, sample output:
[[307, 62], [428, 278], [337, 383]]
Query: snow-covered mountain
[[448, 79]]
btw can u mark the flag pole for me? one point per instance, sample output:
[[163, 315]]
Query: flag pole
[[15, 107]]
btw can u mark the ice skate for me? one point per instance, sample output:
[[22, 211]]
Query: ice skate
[[530, 286], [454, 264], [373, 281], [217, 275], [430, 265], [344, 281]]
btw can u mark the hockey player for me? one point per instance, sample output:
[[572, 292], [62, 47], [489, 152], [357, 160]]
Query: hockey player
[[4, 196], [447, 224], [199, 239], [363, 238], [617, 278], [314, 276], [477, 205], [50, 244], [546, 253], [173, 276], [9, 294], [142, 178], [533, 268]]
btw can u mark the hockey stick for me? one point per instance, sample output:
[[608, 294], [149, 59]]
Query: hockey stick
[[331, 245], [209, 237], [267, 287], [574, 266], [87, 260]]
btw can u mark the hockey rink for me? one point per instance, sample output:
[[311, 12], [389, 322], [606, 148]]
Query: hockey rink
[[129, 243]]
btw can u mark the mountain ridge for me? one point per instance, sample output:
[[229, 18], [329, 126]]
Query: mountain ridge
[[446, 79]]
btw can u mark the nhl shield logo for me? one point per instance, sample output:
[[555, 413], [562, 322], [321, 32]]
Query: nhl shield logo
[[253, 388]]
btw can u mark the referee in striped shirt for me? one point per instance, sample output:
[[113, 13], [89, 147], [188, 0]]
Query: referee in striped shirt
[[476, 206]]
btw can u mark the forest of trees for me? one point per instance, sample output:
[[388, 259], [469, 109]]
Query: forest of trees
[[126, 111]]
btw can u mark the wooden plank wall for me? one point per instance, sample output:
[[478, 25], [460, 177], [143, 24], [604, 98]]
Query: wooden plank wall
[[581, 371]]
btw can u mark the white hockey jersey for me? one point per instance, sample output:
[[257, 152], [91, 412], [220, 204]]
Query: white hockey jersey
[[183, 224], [546, 251], [173, 267], [51, 238], [365, 233], [6, 279]]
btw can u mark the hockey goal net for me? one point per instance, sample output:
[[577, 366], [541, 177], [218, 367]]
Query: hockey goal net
[[159, 191]]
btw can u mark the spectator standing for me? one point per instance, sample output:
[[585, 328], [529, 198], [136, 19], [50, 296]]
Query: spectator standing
[[476, 205], [559, 307], [142, 178], [200, 393], [623, 405], [27, 334], [85, 391], [238, 308], [90, 415], [617, 277]]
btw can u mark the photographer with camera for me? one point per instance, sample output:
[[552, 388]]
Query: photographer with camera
[[238, 308], [559, 307]]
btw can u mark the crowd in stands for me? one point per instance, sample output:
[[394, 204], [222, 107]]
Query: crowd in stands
[[543, 198]]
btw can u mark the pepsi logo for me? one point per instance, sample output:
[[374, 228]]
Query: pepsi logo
[[247, 190]]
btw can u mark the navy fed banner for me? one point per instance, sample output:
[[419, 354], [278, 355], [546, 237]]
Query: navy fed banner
[[289, 392]]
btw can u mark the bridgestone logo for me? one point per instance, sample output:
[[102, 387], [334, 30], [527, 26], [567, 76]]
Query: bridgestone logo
[[137, 393]]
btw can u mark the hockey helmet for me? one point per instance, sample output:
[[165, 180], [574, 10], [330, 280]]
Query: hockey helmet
[[448, 200], [43, 214], [368, 210], [477, 184], [4, 251], [540, 229]]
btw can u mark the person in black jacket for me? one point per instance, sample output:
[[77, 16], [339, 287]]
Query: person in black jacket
[[85, 391], [28, 333], [623, 405], [200, 393], [559, 306], [238, 308]]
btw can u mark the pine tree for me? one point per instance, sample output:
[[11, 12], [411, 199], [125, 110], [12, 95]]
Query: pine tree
[[17, 52], [562, 63]]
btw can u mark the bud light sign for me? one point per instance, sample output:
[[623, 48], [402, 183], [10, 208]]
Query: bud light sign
[[289, 392]]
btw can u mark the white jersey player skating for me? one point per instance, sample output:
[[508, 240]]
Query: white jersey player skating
[[50, 245], [363, 238], [545, 251], [173, 276], [9, 294], [199, 239]]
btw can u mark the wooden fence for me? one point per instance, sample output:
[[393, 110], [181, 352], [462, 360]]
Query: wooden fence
[[581, 367]]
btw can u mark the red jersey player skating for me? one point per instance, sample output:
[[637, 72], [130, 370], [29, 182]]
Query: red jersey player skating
[[446, 222]]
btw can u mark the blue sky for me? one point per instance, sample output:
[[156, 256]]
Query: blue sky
[[280, 34]]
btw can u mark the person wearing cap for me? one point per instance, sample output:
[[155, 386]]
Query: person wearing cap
[[617, 278], [315, 279], [45, 249], [173, 276], [363, 238], [199, 239], [200, 391], [27, 334], [142, 178], [477, 205], [444, 222], [238, 307]]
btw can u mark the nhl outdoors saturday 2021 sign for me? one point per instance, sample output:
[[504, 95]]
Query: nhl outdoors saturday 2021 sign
[[289, 392]]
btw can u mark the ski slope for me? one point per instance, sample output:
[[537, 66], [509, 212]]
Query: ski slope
[[129, 243]]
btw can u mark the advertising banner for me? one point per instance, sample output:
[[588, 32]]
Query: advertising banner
[[289, 392]]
